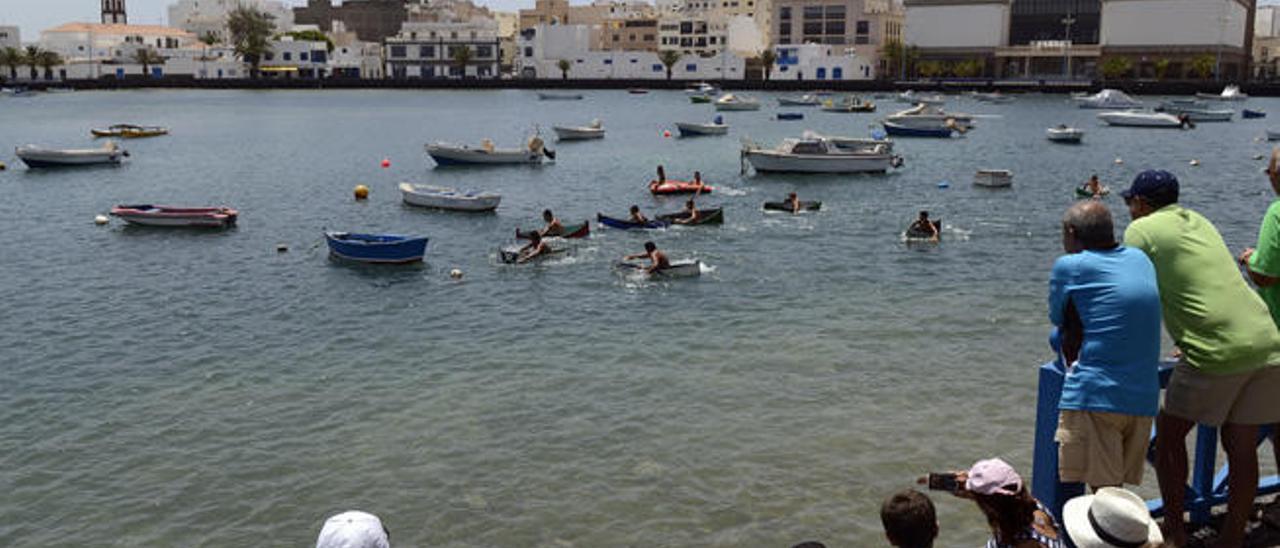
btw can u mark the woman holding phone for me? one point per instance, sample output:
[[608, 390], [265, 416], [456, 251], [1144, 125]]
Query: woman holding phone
[[1016, 519]]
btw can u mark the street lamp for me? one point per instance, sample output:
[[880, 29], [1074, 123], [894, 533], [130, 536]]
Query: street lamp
[[1066, 46]]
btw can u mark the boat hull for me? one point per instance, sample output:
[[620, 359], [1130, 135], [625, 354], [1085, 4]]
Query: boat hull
[[1073, 136], [624, 224], [444, 155], [176, 217], [697, 130], [783, 206], [713, 216], [678, 269], [731, 107], [35, 157], [448, 198], [570, 231], [376, 248], [898, 130], [578, 133], [559, 96], [770, 161], [1155, 120], [993, 179]]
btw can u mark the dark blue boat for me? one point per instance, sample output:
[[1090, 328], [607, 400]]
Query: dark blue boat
[[904, 131], [376, 248], [1246, 113], [790, 116], [625, 224]]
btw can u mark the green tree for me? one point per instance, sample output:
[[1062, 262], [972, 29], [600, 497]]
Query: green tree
[[147, 57], [461, 56], [1162, 67], [968, 68], [931, 69], [210, 38], [31, 58], [12, 58], [47, 60], [564, 65], [669, 58], [1116, 67], [1203, 66], [250, 34], [767, 59], [312, 36]]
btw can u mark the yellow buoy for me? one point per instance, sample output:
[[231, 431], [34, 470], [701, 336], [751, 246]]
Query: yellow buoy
[[100, 220], [2, 166], [362, 192]]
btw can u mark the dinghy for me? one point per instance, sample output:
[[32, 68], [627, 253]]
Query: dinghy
[[41, 157], [167, 216], [376, 248], [448, 198]]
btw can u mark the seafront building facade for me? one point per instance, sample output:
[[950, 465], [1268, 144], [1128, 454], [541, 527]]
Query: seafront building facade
[[203, 17], [431, 49], [10, 36], [543, 47], [862, 27], [371, 20]]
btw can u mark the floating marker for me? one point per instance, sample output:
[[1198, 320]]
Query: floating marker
[[944, 184], [1195, 162], [455, 274], [100, 220], [281, 248], [666, 133], [386, 163], [1119, 161], [361, 192]]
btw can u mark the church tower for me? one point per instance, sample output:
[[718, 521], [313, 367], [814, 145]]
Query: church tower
[[113, 13]]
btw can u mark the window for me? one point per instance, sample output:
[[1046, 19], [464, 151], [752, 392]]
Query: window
[[835, 12], [691, 68], [397, 52], [320, 56], [648, 37], [426, 52], [784, 29], [784, 13], [456, 71], [528, 52], [287, 56], [453, 35], [657, 67], [302, 56], [812, 28], [864, 27], [427, 71], [608, 61], [686, 27], [813, 12], [268, 56], [617, 38], [484, 52], [835, 27]]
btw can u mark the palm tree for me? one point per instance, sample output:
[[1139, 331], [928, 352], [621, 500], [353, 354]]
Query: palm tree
[[48, 60], [768, 58], [251, 31], [669, 59], [32, 59], [1203, 66], [564, 66], [146, 57], [462, 56], [11, 57]]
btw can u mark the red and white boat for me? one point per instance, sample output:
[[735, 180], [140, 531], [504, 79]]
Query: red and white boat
[[152, 215]]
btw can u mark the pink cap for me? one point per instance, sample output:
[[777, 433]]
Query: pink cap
[[993, 477]]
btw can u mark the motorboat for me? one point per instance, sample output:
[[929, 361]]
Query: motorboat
[[910, 97], [701, 99], [448, 198], [789, 116], [993, 178], [1107, 99], [1064, 134], [926, 120], [854, 144], [16, 91], [376, 248], [594, 130], [1142, 118], [39, 157], [702, 88], [687, 268], [849, 103], [555, 96], [446, 154], [806, 100], [731, 101], [167, 216], [1229, 93], [1196, 111], [900, 130], [129, 131], [695, 129], [817, 155], [992, 97]]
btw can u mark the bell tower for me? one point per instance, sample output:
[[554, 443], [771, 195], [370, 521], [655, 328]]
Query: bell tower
[[113, 13]]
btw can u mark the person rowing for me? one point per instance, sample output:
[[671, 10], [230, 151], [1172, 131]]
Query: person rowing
[[662, 178], [691, 214], [923, 225], [793, 203], [657, 259], [536, 247], [637, 217], [1094, 187], [697, 182], [554, 226]]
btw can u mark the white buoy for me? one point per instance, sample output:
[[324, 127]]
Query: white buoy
[[1119, 161], [100, 220], [455, 274], [1195, 162]]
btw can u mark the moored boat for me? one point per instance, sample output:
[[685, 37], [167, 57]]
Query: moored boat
[[900, 130], [129, 131], [734, 102], [993, 178], [1229, 93], [784, 206], [676, 186], [376, 248], [1108, 99], [930, 118], [848, 104], [710, 216], [41, 157], [910, 97], [1253, 114], [789, 116], [555, 96], [1064, 134], [570, 231], [626, 224], [446, 154], [687, 268], [1196, 112], [695, 129], [1139, 118], [594, 130], [812, 154], [167, 216], [448, 198], [806, 100], [701, 99], [992, 97]]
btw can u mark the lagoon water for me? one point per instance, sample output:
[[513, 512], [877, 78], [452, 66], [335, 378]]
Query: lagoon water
[[177, 388]]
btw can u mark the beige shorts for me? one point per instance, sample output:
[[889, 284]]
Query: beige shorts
[[1243, 398], [1102, 449]]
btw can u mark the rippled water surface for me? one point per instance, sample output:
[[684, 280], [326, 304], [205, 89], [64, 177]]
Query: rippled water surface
[[177, 388]]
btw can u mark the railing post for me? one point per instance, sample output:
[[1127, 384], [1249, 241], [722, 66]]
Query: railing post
[[1045, 485]]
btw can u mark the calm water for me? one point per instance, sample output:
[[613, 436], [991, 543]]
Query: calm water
[[172, 388]]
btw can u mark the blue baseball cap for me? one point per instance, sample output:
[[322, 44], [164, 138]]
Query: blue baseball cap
[[1153, 183]]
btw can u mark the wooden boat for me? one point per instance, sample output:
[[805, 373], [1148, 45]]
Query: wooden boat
[[129, 131], [993, 178], [445, 154], [730, 102], [675, 186], [784, 206], [625, 224], [448, 198], [40, 157], [152, 215], [1064, 134], [812, 154], [554, 96], [1138, 118], [594, 130], [694, 129], [376, 248], [687, 268], [570, 231], [710, 216], [1253, 114], [912, 234]]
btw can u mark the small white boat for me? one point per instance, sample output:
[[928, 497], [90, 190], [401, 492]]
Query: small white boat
[[1273, 134], [1064, 134], [702, 88], [446, 154], [1107, 99], [806, 100], [685, 268], [1141, 118], [993, 178], [912, 98], [694, 129], [992, 97], [848, 104], [1197, 112], [594, 130], [817, 155], [448, 198], [730, 101], [554, 96], [37, 157], [176, 217], [929, 117], [1229, 93]]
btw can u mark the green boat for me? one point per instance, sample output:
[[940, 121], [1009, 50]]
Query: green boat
[[699, 98]]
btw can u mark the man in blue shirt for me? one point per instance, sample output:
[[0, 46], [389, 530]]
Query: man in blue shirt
[[1104, 298]]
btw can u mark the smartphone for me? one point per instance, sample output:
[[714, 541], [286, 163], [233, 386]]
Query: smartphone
[[943, 481]]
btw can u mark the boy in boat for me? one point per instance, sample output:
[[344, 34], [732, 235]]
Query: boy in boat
[[554, 226], [657, 259], [793, 202], [691, 214], [537, 246], [1094, 186], [924, 226], [662, 178], [697, 182], [636, 216]]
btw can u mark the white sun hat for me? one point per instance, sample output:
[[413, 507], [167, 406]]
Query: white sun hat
[[353, 529], [1111, 518]]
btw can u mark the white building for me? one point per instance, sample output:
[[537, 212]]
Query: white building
[[430, 49], [974, 25], [84, 42], [820, 62], [10, 37], [1266, 23], [544, 46], [1180, 30], [200, 17], [291, 58]]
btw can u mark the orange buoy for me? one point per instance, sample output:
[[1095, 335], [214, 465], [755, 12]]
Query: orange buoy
[[666, 133], [361, 192], [386, 163]]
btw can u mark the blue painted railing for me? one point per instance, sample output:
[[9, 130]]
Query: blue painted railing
[[1208, 484]]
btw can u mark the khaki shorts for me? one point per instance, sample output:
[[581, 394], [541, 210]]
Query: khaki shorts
[[1102, 449], [1252, 397]]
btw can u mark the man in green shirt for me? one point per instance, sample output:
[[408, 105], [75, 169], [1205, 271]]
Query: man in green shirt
[[1228, 341]]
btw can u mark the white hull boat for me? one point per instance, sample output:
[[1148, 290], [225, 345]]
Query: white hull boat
[[816, 155], [1197, 112], [693, 129], [702, 88], [993, 178], [551, 96], [993, 97], [1138, 118], [1064, 134], [928, 117], [1273, 134], [448, 198], [806, 100], [1230, 93], [446, 154], [579, 133], [176, 217], [37, 157], [731, 102], [912, 98], [1108, 99]]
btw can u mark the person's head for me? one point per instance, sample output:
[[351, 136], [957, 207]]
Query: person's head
[[999, 492], [354, 529], [1150, 191], [1109, 518], [1087, 225], [547, 216], [909, 519], [662, 173], [924, 215], [635, 209], [650, 247], [791, 196], [697, 176], [1093, 178]]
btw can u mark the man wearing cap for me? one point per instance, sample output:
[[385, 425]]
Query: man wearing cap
[[1228, 341], [1103, 297]]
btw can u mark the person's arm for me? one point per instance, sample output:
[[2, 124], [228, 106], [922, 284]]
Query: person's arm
[[635, 256], [1072, 334], [934, 229], [1263, 264]]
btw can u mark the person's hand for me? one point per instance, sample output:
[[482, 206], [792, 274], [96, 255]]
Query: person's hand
[[1245, 255]]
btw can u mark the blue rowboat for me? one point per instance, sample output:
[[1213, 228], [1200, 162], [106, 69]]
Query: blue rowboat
[[376, 248], [904, 131], [790, 116], [625, 224], [1246, 113]]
